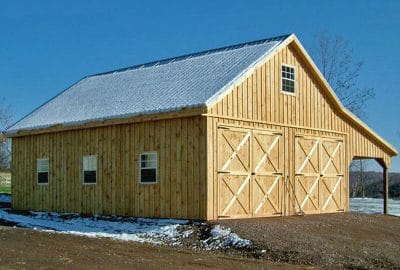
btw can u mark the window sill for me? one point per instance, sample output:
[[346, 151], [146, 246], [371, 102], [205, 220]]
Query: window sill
[[148, 183], [288, 93], [88, 184]]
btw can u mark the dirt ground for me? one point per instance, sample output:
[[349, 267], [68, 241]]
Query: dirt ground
[[349, 240], [28, 249]]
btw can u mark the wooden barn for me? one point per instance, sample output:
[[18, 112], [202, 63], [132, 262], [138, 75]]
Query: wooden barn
[[249, 130]]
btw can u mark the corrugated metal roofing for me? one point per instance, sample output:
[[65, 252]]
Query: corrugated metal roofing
[[193, 80]]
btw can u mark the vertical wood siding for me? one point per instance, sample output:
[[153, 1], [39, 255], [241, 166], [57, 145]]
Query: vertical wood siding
[[179, 193]]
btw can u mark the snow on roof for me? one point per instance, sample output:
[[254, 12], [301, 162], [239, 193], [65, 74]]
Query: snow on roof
[[193, 80]]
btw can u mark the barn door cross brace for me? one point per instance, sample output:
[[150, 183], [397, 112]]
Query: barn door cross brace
[[235, 195], [308, 156], [331, 194], [235, 151], [331, 157], [308, 196], [266, 195], [266, 153]]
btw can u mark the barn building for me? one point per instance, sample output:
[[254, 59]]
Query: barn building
[[249, 130]]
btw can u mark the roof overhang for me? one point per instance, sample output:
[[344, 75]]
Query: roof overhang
[[178, 113]]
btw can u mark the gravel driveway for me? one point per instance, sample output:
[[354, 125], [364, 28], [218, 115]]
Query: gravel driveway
[[348, 240]]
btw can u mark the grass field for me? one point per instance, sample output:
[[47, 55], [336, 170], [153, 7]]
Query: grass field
[[5, 188], [5, 182]]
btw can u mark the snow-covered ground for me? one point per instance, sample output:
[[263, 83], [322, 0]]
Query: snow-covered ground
[[373, 205], [145, 230]]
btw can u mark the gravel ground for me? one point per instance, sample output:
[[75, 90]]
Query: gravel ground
[[28, 249], [349, 240]]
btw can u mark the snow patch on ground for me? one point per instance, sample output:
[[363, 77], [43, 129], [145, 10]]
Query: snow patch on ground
[[156, 231], [223, 238], [5, 198], [172, 232]]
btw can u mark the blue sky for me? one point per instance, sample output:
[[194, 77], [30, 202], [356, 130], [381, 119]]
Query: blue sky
[[45, 46]]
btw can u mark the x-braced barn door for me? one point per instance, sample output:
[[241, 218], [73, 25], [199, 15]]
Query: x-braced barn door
[[249, 172], [319, 174]]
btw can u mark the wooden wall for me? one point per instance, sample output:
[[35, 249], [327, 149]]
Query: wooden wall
[[179, 193], [257, 101]]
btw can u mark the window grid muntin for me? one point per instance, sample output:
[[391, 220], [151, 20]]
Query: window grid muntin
[[288, 79], [89, 167], [42, 168], [148, 162]]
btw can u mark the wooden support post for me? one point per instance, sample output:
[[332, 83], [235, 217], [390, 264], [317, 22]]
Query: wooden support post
[[385, 190]]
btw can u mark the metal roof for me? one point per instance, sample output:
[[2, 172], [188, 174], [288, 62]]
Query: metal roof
[[192, 80]]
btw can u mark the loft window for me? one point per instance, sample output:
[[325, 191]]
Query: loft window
[[288, 79], [42, 171], [148, 168], [89, 169]]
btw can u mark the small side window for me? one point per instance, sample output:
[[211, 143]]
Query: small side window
[[89, 169], [42, 170], [148, 168], [288, 79]]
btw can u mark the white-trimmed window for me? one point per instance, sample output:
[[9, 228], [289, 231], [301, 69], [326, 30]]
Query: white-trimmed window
[[148, 168], [42, 169], [89, 169], [288, 79]]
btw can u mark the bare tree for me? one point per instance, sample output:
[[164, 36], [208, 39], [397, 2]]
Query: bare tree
[[334, 57], [357, 179], [5, 152], [354, 185]]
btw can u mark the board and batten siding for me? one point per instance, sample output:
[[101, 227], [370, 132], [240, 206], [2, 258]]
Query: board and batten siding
[[180, 191], [257, 101]]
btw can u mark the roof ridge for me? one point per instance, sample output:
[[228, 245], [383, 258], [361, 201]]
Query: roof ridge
[[190, 55]]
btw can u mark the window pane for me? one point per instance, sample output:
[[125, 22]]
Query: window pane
[[89, 163], [148, 175], [43, 177], [42, 165], [148, 165], [89, 177], [151, 164], [288, 79]]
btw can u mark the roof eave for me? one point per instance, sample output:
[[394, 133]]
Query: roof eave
[[194, 110]]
